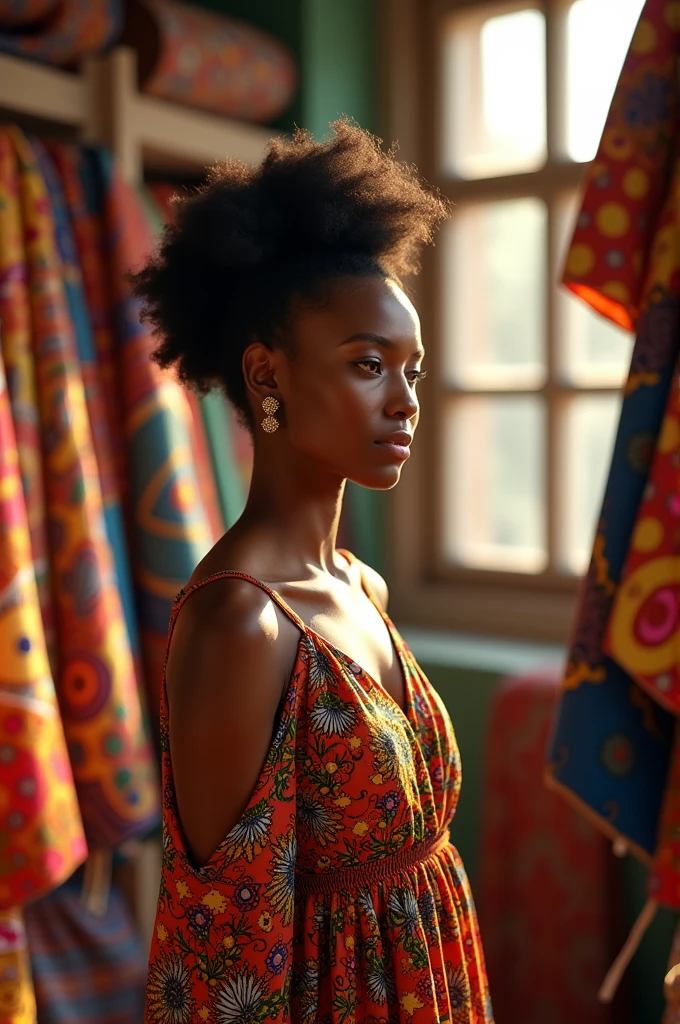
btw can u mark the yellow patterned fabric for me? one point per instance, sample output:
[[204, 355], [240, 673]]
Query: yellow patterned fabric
[[96, 682], [17, 1002]]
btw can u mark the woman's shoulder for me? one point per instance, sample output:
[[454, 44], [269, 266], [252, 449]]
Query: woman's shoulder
[[372, 578], [226, 630]]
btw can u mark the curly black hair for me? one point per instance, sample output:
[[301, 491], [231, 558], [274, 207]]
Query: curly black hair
[[251, 238]]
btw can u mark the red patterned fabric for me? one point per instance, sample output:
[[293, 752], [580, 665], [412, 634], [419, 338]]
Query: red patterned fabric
[[205, 59], [96, 683], [547, 893], [617, 232]]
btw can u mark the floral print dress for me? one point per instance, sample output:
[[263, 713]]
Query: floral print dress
[[337, 898]]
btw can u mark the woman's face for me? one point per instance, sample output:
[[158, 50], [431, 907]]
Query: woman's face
[[349, 384]]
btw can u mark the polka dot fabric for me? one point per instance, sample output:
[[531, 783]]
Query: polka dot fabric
[[337, 897], [615, 749], [627, 182]]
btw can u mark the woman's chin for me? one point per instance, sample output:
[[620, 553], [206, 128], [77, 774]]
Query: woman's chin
[[381, 479]]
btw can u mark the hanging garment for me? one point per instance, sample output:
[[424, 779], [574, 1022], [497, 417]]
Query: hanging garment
[[170, 529], [338, 894], [229, 445], [87, 968], [17, 1002], [156, 217], [17, 354], [614, 750], [84, 275], [96, 684], [40, 823]]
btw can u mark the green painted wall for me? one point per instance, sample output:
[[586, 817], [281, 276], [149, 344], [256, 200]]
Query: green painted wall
[[339, 45]]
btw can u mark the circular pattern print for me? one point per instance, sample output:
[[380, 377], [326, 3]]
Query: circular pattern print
[[85, 686], [617, 755]]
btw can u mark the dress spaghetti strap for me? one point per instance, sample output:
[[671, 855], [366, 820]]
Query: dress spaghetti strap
[[186, 592], [235, 574]]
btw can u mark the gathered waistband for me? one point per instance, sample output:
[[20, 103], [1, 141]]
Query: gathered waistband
[[370, 871]]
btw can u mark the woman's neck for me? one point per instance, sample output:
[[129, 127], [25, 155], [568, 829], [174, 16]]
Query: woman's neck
[[298, 511]]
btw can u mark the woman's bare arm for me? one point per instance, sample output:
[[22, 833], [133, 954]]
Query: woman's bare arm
[[230, 659]]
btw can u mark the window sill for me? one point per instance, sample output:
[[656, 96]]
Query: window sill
[[481, 653]]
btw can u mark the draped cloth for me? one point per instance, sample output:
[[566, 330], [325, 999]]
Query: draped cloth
[[96, 682], [107, 502], [228, 443], [170, 529], [614, 750], [41, 826]]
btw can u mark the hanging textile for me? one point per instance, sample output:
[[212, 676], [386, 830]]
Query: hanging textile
[[155, 218], [17, 1001], [170, 529], [40, 822], [228, 442], [87, 968], [96, 684], [15, 316], [85, 288], [614, 751]]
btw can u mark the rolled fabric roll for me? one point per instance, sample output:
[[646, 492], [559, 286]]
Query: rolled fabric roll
[[25, 12], [207, 60], [74, 29]]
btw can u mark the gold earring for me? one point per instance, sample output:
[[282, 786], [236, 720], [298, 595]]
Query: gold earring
[[270, 423]]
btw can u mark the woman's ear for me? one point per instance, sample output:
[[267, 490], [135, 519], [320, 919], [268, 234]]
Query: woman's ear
[[259, 370]]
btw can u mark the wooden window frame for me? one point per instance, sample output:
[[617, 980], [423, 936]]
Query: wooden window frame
[[424, 592]]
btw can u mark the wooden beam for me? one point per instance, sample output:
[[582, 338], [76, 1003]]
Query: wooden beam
[[42, 92]]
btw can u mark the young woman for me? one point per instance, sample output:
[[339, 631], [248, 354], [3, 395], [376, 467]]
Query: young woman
[[310, 770]]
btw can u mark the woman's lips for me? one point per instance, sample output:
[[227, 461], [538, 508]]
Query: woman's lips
[[397, 451]]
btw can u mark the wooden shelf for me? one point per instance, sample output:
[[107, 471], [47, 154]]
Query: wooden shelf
[[42, 92], [103, 104], [194, 138]]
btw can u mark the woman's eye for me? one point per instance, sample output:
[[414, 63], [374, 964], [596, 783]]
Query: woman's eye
[[372, 364], [415, 375]]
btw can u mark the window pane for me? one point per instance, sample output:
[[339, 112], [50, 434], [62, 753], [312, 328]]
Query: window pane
[[598, 36], [494, 94], [493, 470], [493, 294], [587, 438], [592, 351]]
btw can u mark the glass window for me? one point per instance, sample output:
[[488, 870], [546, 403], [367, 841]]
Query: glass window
[[494, 94], [598, 36], [494, 508], [586, 438], [494, 294]]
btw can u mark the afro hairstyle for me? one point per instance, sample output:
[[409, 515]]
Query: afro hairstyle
[[251, 238]]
